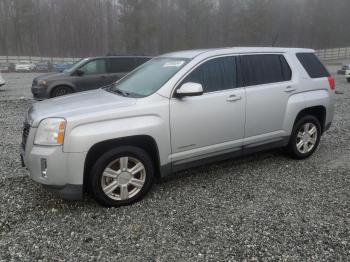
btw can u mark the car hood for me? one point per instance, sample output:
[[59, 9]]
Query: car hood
[[77, 105]]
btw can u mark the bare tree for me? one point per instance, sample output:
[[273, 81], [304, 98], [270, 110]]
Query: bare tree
[[95, 27]]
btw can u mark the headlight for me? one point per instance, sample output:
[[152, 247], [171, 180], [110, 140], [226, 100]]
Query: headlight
[[42, 83], [50, 132]]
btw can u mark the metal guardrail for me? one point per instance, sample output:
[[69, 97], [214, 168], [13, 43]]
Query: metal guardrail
[[323, 54], [37, 59], [334, 53]]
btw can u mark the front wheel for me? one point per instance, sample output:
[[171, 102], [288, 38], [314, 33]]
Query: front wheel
[[348, 80], [121, 176], [305, 137], [61, 91]]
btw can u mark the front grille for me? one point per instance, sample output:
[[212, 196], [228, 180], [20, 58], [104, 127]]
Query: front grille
[[26, 129]]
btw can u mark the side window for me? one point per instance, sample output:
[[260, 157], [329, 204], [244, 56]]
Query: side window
[[312, 65], [214, 75], [94, 67], [287, 72], [265, 69], [141, 60], [121, 65]]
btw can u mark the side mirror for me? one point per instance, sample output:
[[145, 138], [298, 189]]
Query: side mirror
[[189, 89], [79, 72]]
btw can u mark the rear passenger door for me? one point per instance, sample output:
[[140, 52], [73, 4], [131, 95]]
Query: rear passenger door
[[119, 67], [268, 83]]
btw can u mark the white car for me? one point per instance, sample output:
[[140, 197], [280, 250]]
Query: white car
[[24, 66], [177, 111], [345, 71], [2, 81]]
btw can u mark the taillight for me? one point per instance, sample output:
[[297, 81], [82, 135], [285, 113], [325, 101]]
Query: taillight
[[331, 82]]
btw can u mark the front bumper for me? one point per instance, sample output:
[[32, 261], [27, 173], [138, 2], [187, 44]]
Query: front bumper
[[63, 171], [68, 192], [39, 92]]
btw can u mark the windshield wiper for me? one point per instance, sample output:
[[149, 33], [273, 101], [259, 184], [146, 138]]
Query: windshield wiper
[[117, 90], [123, 93], [110, 88]]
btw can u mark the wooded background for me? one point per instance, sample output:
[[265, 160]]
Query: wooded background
[[78, 28]]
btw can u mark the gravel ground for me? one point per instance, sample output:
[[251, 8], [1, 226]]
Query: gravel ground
[[17, 86], [261, 207]]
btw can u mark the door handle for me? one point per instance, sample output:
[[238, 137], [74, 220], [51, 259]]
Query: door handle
[[290, 89], [233, 98]]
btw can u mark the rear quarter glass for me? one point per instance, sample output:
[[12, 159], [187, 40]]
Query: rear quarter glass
[[313, 65]]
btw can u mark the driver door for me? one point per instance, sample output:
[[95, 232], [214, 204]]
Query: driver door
[[211, 124], [94, 75]]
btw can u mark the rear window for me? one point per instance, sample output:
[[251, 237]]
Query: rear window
[[312, 65], [265, 69]]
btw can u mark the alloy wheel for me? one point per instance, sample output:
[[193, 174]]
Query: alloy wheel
[[306, 138], [123, 178], [61, 92]]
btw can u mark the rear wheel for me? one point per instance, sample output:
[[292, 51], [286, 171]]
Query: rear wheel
[[61, 91], [121, 176], [348, 80], [305, 137]]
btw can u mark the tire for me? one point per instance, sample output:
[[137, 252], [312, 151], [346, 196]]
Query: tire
[[348, 80], [61, 91], [128, 188], [302, 145]]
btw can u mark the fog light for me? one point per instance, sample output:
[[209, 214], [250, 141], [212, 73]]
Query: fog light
[[43, 168]]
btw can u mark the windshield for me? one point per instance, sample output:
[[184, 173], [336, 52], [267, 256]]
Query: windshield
[[149, 77], [76, 65]]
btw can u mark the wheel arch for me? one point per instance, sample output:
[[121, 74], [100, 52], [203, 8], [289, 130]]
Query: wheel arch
[[53, 88], [144, 142], [320, 112]]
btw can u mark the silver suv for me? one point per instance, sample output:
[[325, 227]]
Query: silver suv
[[177, 111]]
